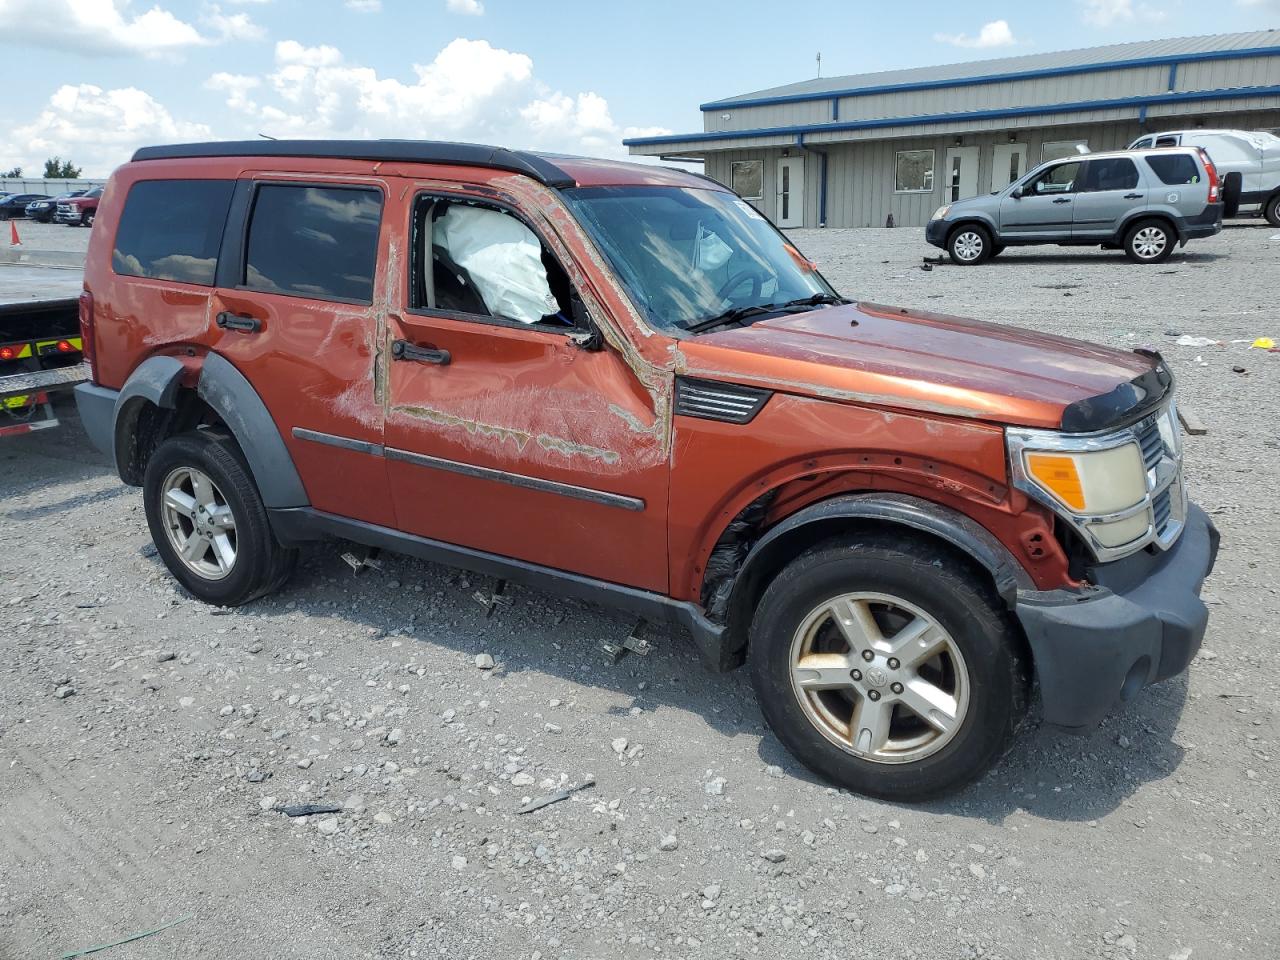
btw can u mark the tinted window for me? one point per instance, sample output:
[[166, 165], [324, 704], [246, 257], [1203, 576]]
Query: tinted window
[[1116, 173], [1166, 141], [171, 229], [1175, 169], [314, 242]]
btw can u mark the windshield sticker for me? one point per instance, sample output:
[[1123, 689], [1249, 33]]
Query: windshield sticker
[[748, 209]]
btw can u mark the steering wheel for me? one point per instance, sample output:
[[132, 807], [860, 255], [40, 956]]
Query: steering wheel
[[733, 282]]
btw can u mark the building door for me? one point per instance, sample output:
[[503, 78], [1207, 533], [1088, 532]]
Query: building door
[[960, 174], [1008, 163], [790, 190]]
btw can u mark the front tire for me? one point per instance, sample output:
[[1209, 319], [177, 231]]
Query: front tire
[[888, 667], [86, 219], [970, 245], [1272, 210], [209, 523], [1150, 241]]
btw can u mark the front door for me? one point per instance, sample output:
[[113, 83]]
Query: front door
[[1008, 163], [1041, 208], [960, 174], [790, 192], [503, 433]]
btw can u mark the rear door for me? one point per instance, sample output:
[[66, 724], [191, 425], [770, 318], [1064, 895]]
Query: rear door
[[503, 434], [1109, 192], [1043, 211], [299, 311]]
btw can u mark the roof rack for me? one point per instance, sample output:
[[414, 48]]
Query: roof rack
[[396, 151]]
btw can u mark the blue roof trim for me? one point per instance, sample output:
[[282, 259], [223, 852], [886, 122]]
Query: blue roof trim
[[1193, 96], [1135, 63]]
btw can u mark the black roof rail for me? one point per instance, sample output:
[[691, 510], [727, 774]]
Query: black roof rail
[[391, 151]]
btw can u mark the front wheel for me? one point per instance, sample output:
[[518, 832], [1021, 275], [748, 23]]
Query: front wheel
[[1151, 241], [209, 523], [969, 245], [86, 219], [887, 667], [1272, 211]]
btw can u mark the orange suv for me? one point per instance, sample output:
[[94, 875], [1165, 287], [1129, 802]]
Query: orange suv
[[621, 382]]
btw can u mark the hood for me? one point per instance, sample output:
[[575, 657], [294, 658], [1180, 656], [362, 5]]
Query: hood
[[893, 357]]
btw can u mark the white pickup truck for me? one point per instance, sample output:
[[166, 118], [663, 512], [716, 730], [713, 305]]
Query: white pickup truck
[[40, 347], [1247, 160]]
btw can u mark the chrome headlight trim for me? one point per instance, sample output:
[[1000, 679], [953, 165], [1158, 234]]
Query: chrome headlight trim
[[1165, 501]]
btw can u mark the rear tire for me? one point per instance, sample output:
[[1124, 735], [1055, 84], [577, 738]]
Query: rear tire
[[969, 245], [1150, 241], [209, 523], [1272, 210], [830, 714]]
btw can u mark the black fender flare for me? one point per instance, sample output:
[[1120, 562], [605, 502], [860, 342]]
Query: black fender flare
[[1134, 216], [156, 380], [915, 513], [980, 219], [232, 397]]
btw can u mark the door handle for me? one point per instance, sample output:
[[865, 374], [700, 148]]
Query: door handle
[[235, 321], [1133, 196], [404, 350], [1062, 200]]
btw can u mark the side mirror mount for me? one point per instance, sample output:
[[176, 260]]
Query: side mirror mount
[[587, 335], [1017, 193]]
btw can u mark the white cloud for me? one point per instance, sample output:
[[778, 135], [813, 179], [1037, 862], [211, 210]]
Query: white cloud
[[470, 8], [233, 26], [95, 128], [364, 6], [99, 27], [1105, 13], [292, 52], [1269, 5], [236, 86], [993, 34]]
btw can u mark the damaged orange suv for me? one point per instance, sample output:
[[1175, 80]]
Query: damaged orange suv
[[622, 383]]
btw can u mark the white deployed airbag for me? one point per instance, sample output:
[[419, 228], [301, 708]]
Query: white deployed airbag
[[503, 258]]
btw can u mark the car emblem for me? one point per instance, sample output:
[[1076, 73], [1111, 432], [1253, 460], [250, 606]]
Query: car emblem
[[877, 677]]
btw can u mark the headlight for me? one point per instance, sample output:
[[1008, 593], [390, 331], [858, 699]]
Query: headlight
[[941, 212], [1118, 490]]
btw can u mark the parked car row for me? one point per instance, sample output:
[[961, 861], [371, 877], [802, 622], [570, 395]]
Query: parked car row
[[76, 208]]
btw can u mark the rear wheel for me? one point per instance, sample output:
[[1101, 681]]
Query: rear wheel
[[209, 523], [1150, 241], [970, 244], [885, 670], [1272, 210]]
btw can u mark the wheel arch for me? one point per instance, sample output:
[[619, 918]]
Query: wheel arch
[[974, 219], [1137, 216], [955, 534]]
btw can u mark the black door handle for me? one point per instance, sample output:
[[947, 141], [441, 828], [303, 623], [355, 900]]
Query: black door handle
[[404, 350], [234, 321], [1062, 200], [1133, 196]]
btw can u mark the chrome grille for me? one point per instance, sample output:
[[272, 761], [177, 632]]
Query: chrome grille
[[1162, 509], [710, 400], [1152, 443]]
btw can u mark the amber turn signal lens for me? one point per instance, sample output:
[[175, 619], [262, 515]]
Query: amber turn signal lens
[[1058, 475]]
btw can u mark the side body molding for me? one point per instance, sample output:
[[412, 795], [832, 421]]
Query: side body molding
[[225, 389]]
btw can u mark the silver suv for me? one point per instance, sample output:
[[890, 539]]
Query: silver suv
[[1144, 201]]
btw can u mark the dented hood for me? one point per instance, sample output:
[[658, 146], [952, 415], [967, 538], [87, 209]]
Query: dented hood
[[906, 359]]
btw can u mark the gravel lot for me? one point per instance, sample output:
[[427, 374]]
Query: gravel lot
[[143, 796]]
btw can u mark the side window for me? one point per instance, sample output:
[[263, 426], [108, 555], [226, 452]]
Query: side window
[[317, 242], [476, 259], [1142, 144], [1174, 169], [1166, 141], [1116, 173], [171, 230], [1059, 179]]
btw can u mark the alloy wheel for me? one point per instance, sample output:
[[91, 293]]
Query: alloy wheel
[[199, 522], [1149, 242], [879, 677], [968, 245]]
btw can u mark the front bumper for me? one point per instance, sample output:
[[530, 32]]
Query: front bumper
[[1142, 622], [935, 232]]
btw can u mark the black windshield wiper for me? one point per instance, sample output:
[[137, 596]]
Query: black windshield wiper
[[817, 300], [732, 315]]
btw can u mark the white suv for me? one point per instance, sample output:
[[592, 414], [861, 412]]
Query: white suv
[[1247, 160]]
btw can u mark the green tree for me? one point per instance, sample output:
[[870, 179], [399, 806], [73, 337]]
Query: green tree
[[14, 174], [55, 168]]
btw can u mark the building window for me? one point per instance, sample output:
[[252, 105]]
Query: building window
[[1057, 149], [747, 179], [914, 172]]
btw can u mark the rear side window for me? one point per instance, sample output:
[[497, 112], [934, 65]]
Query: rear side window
[[1114, 173], [171, 230], [1174, 169], [317, 242]]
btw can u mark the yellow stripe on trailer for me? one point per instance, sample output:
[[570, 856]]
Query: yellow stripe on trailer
[[24, 351]]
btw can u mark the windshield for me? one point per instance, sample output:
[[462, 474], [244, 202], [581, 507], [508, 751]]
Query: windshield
[[95, 192], [688, 255]]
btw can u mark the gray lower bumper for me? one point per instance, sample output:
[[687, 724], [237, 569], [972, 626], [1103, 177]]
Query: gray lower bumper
[[1093, 649], [97, 407]]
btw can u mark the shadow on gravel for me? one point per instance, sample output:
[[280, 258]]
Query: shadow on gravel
[[69, 503], [1102, 258]]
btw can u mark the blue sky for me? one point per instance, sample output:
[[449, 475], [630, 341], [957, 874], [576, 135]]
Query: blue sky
[[93, 79]]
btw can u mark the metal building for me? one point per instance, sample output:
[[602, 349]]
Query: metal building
[[850, 151]]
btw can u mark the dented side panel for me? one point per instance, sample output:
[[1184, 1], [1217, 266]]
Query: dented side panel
[[800, 451], [532, 404]]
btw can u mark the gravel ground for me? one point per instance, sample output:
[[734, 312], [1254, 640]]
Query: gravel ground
[[49, 236], [144, 737]]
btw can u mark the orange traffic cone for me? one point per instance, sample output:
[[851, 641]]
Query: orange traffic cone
[[14, 239]]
